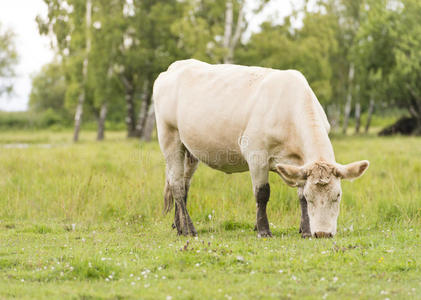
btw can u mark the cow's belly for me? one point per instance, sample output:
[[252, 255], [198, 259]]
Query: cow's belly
[[226, 161], [216, 153], [223, 160]]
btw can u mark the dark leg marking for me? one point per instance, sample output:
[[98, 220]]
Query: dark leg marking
[[305, 221], [182, 220], [176, 216], [262, 198], [184, 224]]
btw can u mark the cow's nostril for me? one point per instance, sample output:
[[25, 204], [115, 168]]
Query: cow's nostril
[[321, 234]]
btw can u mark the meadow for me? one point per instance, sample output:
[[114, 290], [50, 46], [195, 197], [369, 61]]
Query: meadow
[[84, 221]]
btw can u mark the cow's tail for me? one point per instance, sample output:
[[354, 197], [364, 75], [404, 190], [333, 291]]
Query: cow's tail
[[168, 198]]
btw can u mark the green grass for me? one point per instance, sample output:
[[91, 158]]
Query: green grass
[[84, 222]]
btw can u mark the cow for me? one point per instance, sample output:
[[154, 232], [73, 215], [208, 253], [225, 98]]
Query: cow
[[239, 118]]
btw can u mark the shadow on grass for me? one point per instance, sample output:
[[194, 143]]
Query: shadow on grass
[[247, 228]]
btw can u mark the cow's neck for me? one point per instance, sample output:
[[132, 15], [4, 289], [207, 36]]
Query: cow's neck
[[316, 145]]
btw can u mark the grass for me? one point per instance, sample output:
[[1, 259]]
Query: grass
[[84, 222]]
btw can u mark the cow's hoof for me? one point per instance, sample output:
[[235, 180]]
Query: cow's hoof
[[255, 227], [305, 235], [187, 231], [173, 226], [264, 234]]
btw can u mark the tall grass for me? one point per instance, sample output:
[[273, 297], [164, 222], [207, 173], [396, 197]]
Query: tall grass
[[123, 180]]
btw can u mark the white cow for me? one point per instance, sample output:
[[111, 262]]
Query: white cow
[[237, 118]]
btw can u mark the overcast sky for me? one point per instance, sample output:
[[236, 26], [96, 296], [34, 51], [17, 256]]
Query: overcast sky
[[34, 50]]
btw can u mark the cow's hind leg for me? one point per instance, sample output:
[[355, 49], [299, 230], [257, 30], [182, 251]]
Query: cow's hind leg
[[190, 166], [305, 221], [175, 190]]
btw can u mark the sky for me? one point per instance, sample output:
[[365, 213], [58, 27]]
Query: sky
[[34, 50]]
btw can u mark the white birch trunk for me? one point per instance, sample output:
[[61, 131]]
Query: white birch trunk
[[348, 103], [149, 124], [228, 28], [101, 122], [143, 112], [357, 117], [370, 114], [82, 95], [231, 36]]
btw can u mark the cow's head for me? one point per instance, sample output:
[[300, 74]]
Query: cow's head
[[320, 184]]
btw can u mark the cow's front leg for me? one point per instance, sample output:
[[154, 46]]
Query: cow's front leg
[[262, 194], [305, 221], [259, 171]]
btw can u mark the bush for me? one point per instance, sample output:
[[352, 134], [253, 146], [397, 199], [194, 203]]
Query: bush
[[31, 120]]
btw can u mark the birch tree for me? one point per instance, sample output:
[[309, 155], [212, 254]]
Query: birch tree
[[82, 95], [8, 60], [232, 34], [69, 24]]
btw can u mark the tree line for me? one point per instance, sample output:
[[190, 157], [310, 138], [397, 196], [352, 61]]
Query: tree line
[[357, 55]]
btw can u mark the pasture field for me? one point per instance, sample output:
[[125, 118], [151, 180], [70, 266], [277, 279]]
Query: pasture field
[[84, 221]]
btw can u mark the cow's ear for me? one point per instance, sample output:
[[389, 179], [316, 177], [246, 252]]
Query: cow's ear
[[292, 175], [351, 171]]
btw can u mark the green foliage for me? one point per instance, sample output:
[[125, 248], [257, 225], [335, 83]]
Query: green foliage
[[277, 47], [387, 53], [8, 60], [133, 41], [33, 120], [49, 90]]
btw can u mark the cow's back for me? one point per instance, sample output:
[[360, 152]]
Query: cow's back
[[214, 106], [210, 105], [189, 85]]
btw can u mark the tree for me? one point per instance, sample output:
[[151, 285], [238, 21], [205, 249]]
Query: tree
[[70, 24], [8, 60], [211, 30], [49, 90], [107, 37], [85, 65], [388, 49], [150, 46], [281, 47]]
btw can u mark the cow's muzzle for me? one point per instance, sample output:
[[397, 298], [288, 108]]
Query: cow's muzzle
[[323, 234]]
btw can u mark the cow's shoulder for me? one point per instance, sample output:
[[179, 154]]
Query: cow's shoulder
[[171, 75], [296, 76], [285, 78], [186, 63]]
